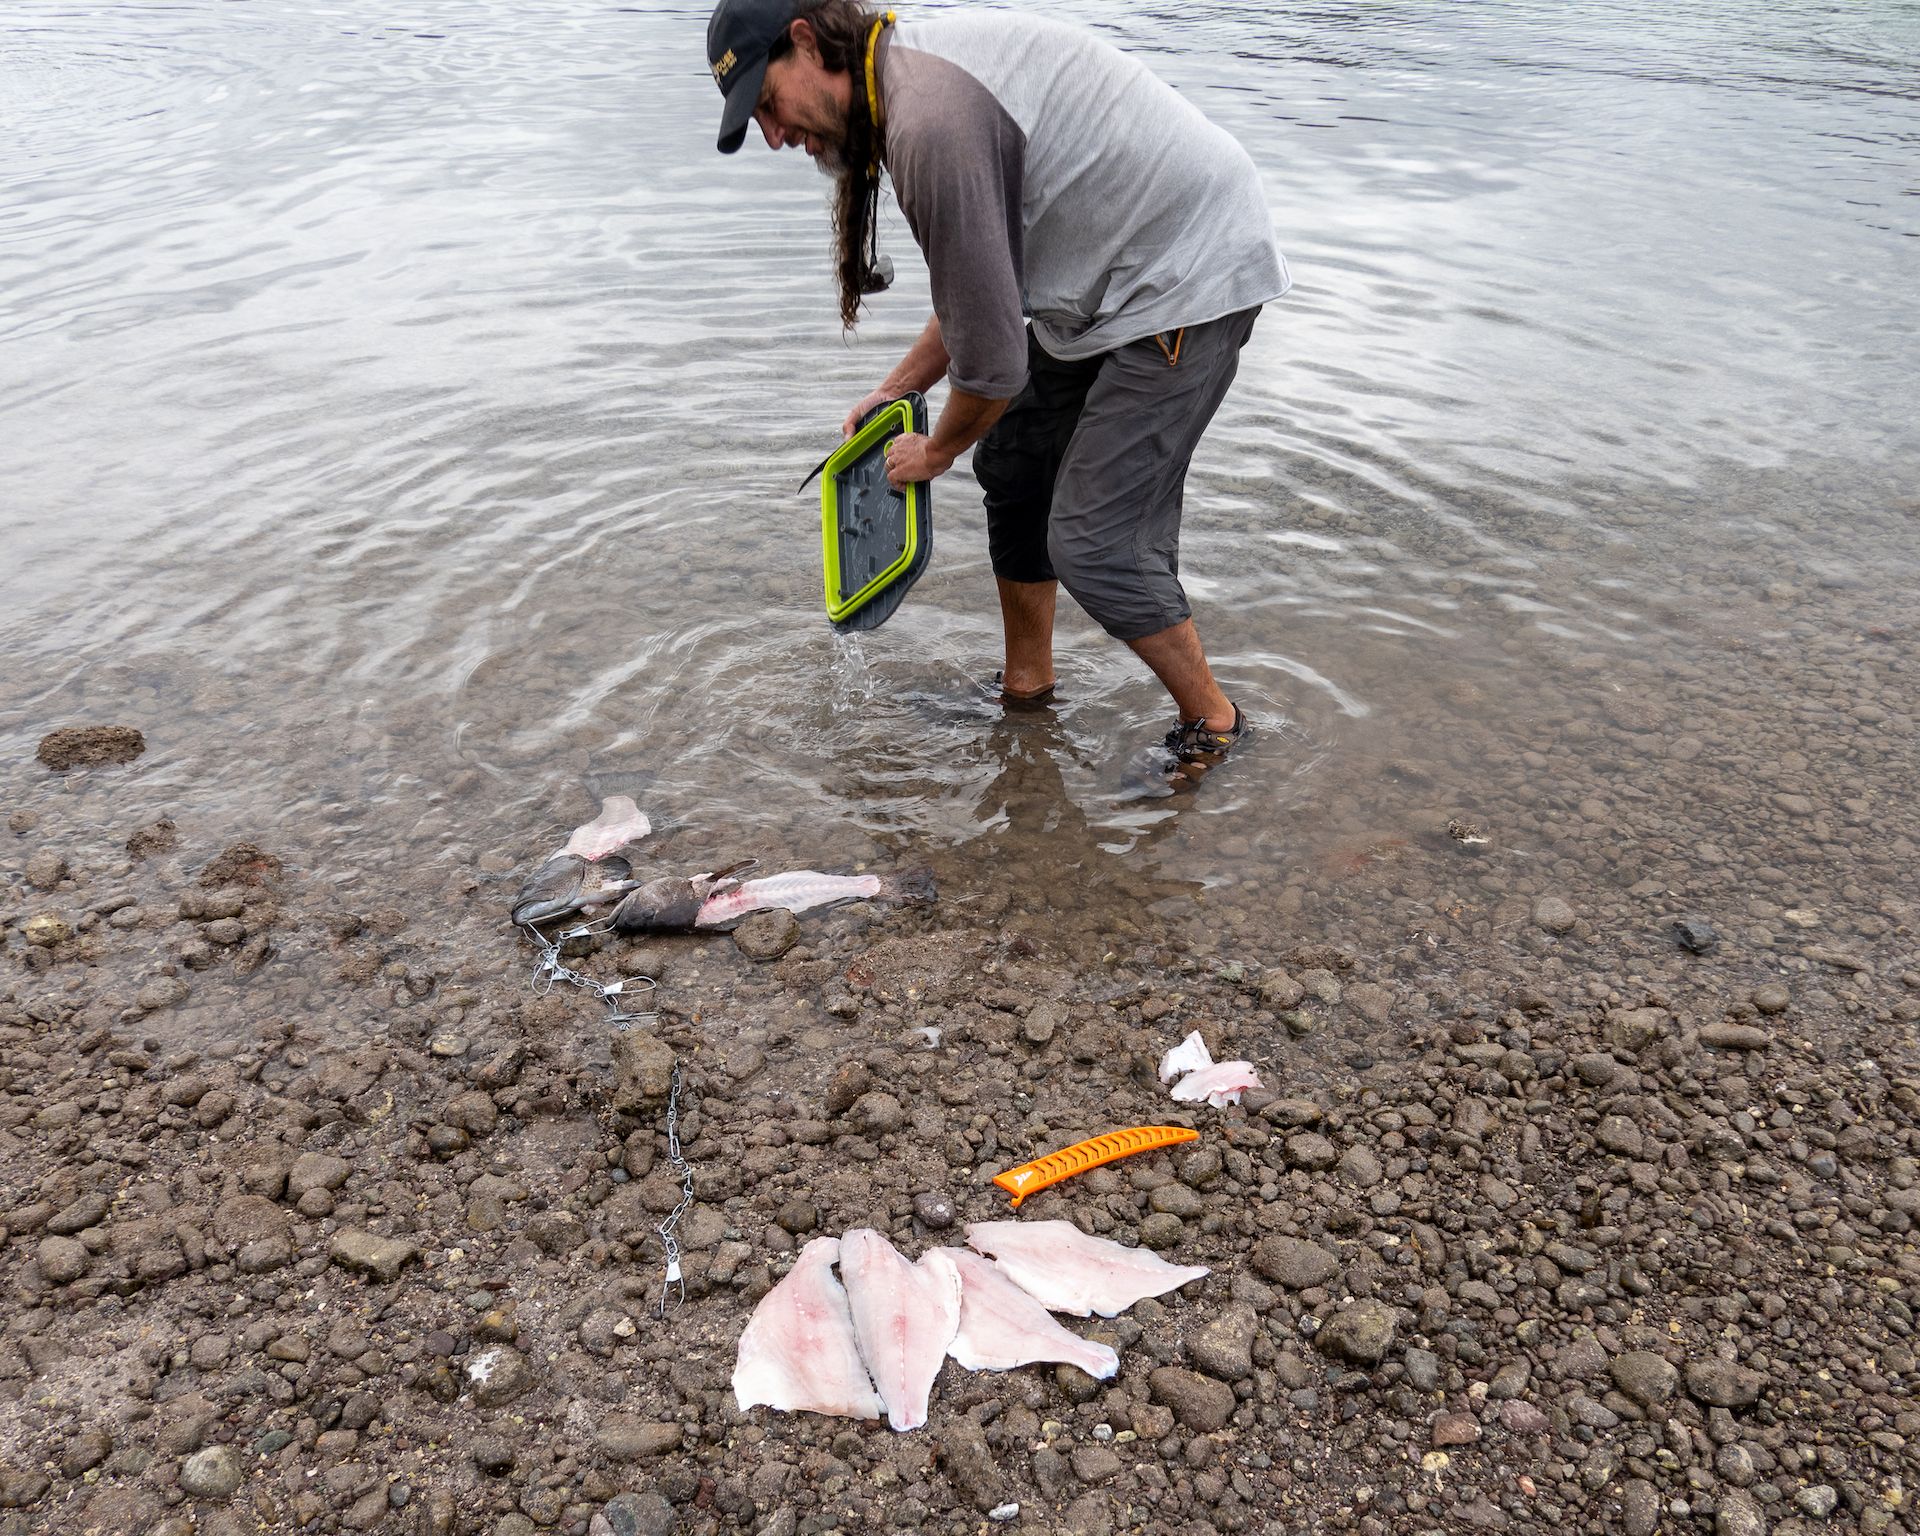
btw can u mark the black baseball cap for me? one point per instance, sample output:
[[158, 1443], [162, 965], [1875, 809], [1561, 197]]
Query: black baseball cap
[[739, 38]]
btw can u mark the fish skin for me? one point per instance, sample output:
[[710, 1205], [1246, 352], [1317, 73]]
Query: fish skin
[[1066, 1271], [620, 822], [904, 1317], [798, 1350], [1190, 1055], [1002, 1327], [1220, 1084]]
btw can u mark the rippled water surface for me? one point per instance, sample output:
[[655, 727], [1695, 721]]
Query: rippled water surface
[[401, 408]]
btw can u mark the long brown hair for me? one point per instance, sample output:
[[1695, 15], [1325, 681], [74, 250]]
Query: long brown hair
[[841, 28]]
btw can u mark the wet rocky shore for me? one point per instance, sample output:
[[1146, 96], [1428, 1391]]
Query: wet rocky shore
[[1580, 1194]]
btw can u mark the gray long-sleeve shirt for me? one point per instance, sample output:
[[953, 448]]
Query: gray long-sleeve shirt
[[1046, 173]]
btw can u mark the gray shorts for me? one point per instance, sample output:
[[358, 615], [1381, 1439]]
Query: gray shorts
[[1084, 475]]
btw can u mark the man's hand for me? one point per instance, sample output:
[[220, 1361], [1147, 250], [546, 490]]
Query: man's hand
[[911, 457], [877, 397]]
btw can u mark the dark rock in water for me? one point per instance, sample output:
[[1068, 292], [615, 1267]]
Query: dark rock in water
[[90, 746], [767, 935], [242, 864], [1694, 934], [161, 837]]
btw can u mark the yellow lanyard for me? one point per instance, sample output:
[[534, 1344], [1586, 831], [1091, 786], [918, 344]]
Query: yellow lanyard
[[873, 88]]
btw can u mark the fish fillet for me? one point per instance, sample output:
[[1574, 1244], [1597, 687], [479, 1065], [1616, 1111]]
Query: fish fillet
[[1220, 1084], [798, 1350], [1001, 1326], [1066, 1271], [620, 822], [904, 1317]]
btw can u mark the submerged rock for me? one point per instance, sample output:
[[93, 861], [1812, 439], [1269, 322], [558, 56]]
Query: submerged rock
[[90, 746]]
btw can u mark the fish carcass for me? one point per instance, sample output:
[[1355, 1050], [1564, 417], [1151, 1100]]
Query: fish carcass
[[1066, 1271], [904, 1317], [798, 1350], [1001, 1326], [567, 882], [673, 905]]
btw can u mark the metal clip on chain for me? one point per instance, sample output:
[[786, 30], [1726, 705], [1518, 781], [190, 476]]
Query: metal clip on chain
[[668, 1242], [549, 970]]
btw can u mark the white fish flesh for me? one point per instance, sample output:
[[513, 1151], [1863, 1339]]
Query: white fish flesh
[[1064, 1270], [799, 890], [1190, 1055], [1001, 1326], [904, 1317], [798, 1350], [620, 822], [1220, 1084]]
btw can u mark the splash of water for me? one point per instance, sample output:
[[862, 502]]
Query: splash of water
[[852, 677]]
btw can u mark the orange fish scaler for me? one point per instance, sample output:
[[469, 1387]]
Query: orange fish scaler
[[1037, 1175]]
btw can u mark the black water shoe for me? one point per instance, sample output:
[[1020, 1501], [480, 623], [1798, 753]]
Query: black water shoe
[[1193, 741]]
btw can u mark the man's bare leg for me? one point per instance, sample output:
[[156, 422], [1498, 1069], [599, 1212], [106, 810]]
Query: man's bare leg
[[1026, 614], [1176, 659]]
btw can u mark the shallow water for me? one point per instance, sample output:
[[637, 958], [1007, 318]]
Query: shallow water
[[400, 416]]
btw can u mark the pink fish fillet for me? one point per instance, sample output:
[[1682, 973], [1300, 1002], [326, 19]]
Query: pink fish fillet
[[798, 1349], [1064, 1270], [620, 822], [904, 1316], [1001, 1326], [1220, 1084]]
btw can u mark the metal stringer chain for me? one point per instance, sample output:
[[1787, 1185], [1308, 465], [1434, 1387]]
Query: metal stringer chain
[[550, 970], [668, 1242]]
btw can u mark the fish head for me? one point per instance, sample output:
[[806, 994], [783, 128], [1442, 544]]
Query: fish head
[[552, 890], [666, 905], [605, 881]]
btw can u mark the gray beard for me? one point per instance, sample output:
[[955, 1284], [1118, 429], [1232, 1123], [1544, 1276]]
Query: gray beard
[[831, 163]]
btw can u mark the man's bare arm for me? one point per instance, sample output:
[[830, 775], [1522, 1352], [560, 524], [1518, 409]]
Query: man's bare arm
[[923, 367]]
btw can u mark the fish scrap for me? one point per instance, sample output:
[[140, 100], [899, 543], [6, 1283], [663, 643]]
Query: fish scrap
[[620, 822], [569, 882], [1201, 1078]]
